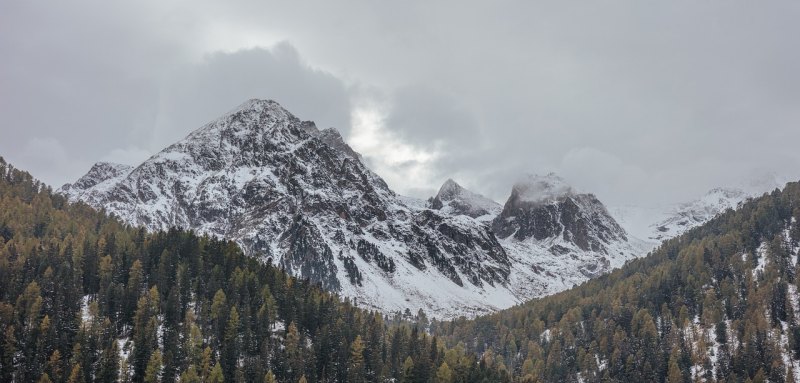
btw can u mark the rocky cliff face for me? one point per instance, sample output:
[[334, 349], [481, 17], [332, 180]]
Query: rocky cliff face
[[302, 198], [545, 207]]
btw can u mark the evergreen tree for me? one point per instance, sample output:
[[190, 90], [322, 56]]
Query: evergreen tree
[[154, 365], [230, 346], [444, 374], [355, 366], [408, 370], [216, 375]]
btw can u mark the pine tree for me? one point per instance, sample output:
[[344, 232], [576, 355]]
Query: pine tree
[[216, 375], [674, 375], [145, 329], [54, 365], [153, 372], [190, 375], [408, 370], [355, 366], [109, 363], [205, 365], [230, 346], [270, 377], [294, 352], [444, 374], [76, 375], [218, 310]]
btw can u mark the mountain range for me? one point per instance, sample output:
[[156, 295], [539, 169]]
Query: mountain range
[[302, 198]]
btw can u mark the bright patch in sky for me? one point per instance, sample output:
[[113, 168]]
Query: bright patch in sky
[[404, 167]]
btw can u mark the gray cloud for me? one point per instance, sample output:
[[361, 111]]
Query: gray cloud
[[79, 89], [636, 101], [193, 95], [426, 117]]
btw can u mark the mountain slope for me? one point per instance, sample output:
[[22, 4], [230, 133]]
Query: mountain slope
[[85, 298], [718, 303]]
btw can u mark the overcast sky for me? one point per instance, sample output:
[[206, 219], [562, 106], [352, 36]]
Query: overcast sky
[[637, 101]]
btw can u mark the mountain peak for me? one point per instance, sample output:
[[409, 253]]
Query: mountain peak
[[259, 104], [449, 188], [546, 207], [99, 173], [452, 198]]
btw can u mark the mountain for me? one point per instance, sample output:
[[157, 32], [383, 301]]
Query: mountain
[[453, 199], [718, 303], [86, 298], [303, 199], [691, 214], [557, 237], [659, 223]]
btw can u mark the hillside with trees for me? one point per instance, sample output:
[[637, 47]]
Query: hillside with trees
[[718, 304], [84, 298]]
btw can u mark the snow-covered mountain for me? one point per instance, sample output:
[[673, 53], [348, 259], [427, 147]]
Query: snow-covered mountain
[[656, 224], [557, 237], [695, 213], [302, 198]]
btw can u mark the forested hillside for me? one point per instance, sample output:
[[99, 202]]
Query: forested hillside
[[85, 298], [718, 304]]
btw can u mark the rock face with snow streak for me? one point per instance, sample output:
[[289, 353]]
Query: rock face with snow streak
[[302, 198]]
